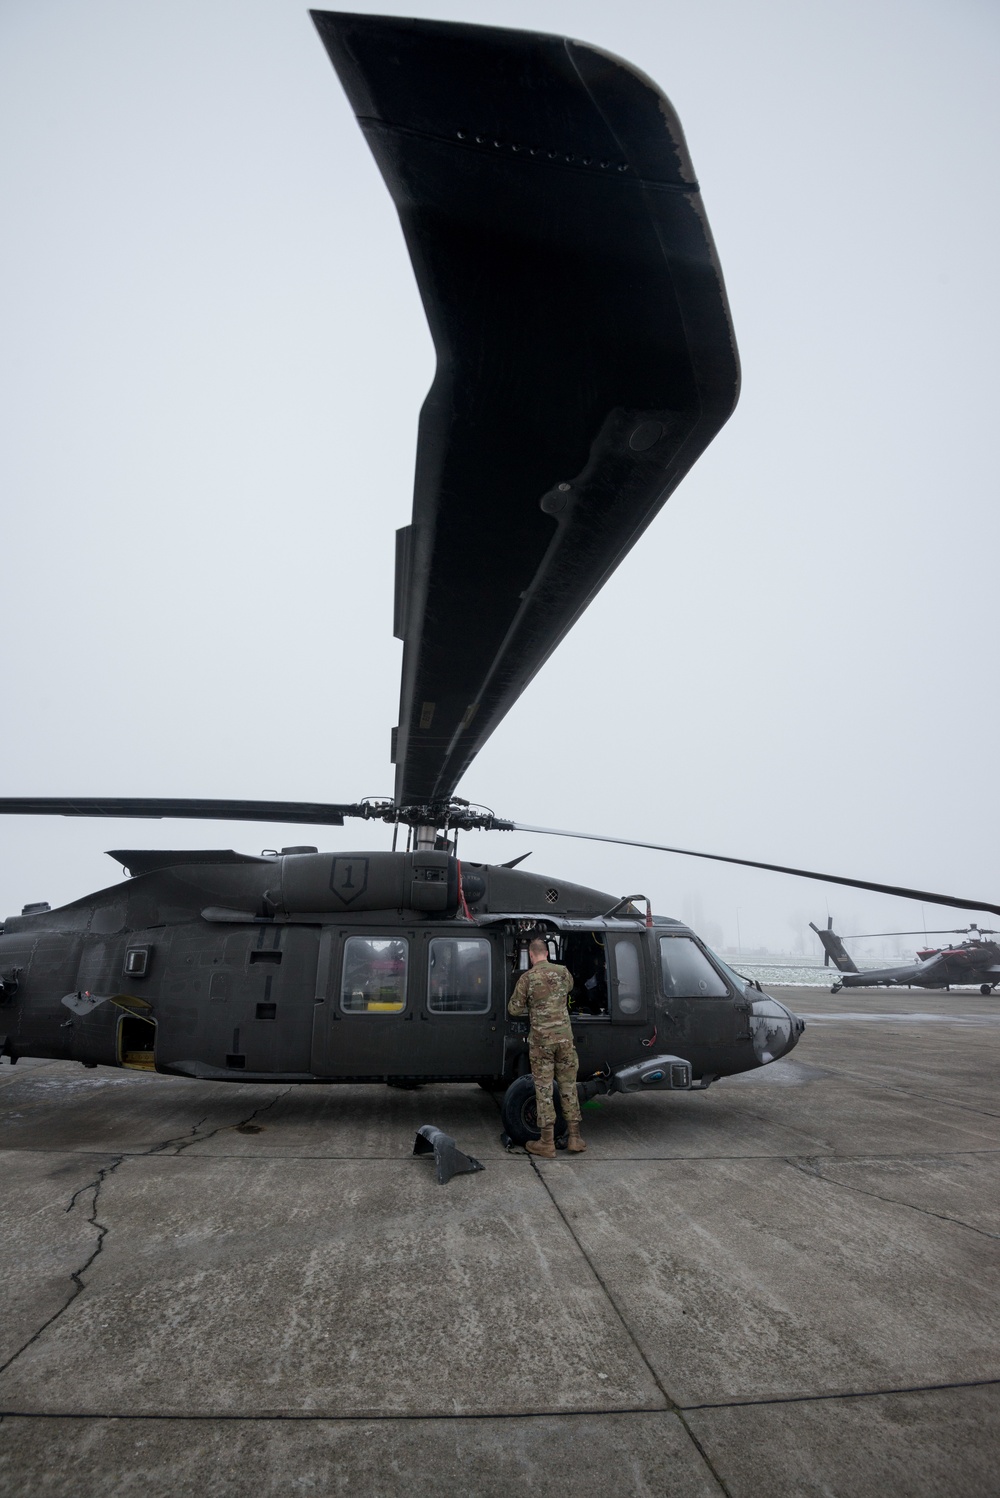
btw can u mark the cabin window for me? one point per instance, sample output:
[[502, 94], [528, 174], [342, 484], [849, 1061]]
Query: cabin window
[[458, 975], [374, 979], [136, 962], [628, 995], [686, 971]]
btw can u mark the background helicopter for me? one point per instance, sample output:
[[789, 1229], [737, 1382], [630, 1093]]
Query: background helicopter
[[632, 392], [976, 960]]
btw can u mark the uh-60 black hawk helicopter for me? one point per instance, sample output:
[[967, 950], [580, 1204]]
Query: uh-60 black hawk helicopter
[[585, 359]]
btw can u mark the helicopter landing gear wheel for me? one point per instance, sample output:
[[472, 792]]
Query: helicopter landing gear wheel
[[836, 987], [520, 1120], [985, 988]]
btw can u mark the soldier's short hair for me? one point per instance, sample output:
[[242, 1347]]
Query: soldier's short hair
[[538, 945]]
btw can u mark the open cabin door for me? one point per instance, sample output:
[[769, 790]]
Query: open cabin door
[[608, 977]]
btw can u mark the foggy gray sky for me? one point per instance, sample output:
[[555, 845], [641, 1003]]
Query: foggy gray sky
[[212, 360]]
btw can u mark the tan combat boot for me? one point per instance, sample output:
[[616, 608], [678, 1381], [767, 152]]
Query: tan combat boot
[[546, 1146], [574, 1143]]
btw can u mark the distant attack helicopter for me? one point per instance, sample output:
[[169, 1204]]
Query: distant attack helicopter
[[973, 961], [585, 360]]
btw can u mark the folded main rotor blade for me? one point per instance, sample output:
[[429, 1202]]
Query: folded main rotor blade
[[318, 813], [585, 352], [775, 868]]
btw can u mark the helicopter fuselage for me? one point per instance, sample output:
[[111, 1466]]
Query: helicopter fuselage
[[936, 967], [395, 967]]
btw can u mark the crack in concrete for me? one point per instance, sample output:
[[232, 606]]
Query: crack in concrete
[[184, 1144], [76, 1275], [810, 1167], [177, 1140], [102, 1228], [262, 1107]]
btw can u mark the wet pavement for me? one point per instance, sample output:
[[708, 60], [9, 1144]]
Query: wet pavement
[[786, 1285]]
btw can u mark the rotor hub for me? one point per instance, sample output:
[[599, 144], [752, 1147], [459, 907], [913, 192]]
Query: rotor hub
[[454, 815]]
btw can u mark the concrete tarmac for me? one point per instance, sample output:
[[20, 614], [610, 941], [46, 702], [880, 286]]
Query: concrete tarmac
[[786, 1285]]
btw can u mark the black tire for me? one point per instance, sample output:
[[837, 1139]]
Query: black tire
[[518, 1111], [985, 988]]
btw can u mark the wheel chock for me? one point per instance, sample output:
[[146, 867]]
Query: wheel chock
[[448, 1158]]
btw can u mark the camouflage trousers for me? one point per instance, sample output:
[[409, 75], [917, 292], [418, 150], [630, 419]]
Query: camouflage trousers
[[556, 1057]]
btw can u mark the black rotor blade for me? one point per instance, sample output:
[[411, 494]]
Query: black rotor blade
[[585, 352], [775, 868], [952, 931], [319, 813]]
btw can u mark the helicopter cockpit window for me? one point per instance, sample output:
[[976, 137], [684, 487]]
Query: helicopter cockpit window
[[374, 980], [458, 975], [686, 971]]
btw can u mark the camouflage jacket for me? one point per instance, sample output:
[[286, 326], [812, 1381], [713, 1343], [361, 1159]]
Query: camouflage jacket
[[542, 992]]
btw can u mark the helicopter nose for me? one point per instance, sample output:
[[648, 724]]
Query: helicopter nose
[[774, 1029]]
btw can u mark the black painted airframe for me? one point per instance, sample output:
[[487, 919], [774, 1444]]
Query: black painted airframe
[[313, 967]]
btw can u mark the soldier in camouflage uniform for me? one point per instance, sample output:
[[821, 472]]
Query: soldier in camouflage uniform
[[543, 991]]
